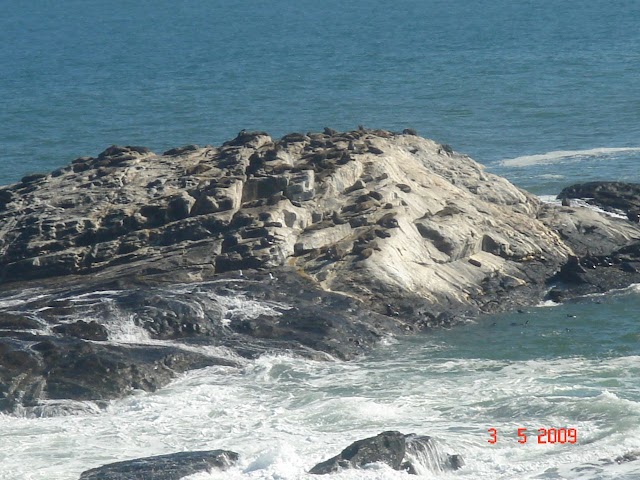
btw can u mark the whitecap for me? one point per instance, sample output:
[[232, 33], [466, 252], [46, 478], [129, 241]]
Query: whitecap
[[92, 296], [123, 329], [561, 155], [548, 303], [282, 461]]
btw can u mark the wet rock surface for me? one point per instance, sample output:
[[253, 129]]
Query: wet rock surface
[[139, 334], [164, 467], [140, 266], [613, 196], [399, 451]]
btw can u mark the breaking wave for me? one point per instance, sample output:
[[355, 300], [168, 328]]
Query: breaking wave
[[566, 155]]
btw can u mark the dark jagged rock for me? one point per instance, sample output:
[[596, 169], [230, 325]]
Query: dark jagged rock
[[293, 315], [37, 366], [399, 451], [181, 150], [12, 321], [628, 457], [33, 178], [164, 467], [345, 223], [81, 329], [607, 195]]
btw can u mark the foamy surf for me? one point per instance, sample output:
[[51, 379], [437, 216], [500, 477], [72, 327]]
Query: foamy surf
[[302, 412], [283, 414], [578, 202], [566, 155]]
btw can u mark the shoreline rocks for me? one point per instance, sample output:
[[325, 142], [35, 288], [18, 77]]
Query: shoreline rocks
[[164, 467], [336, 240], [395, 449], [610, 196]]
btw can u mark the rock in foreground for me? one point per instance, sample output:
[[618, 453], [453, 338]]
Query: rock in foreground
[[410, 453], [164, 467]]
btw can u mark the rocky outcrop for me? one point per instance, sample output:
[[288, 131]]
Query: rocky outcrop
[[335, 239], [410, 453], [374, 215], [37, 367], [606, 252], [164, 467]]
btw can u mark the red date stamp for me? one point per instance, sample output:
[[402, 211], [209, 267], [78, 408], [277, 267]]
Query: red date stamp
[[544, 435]]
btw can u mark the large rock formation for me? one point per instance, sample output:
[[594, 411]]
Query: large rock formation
[[335, 239]]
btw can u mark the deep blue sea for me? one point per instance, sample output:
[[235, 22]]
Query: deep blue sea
[[544, 92]]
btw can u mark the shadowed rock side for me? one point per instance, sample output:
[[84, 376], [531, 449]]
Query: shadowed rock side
[[410, 453], [353, 235], [613, 196], [164, 467]]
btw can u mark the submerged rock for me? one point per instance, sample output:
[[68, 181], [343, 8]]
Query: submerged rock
[[410, 453], [164, 467], [628, 457], [38, 367], [605, 466], [341, 237]]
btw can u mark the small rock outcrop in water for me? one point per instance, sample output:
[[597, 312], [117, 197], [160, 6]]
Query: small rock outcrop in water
[[164, 467], [619, 196], [399, 451], [335, 239]]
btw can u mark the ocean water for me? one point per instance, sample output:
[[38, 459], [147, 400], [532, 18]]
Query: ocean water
[[544, 92]]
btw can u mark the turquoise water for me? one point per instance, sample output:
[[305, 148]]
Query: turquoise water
[[544, 92]]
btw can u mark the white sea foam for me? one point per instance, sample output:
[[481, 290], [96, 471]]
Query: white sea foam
[[123, 329], [565, 155], [281, 437], [551, 176], [236, 306], [284, 414]]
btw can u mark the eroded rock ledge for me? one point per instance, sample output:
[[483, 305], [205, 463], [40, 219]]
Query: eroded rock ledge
[[344, 236]]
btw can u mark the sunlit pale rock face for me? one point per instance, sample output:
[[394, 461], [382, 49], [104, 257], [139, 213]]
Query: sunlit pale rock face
[[368, 213]]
